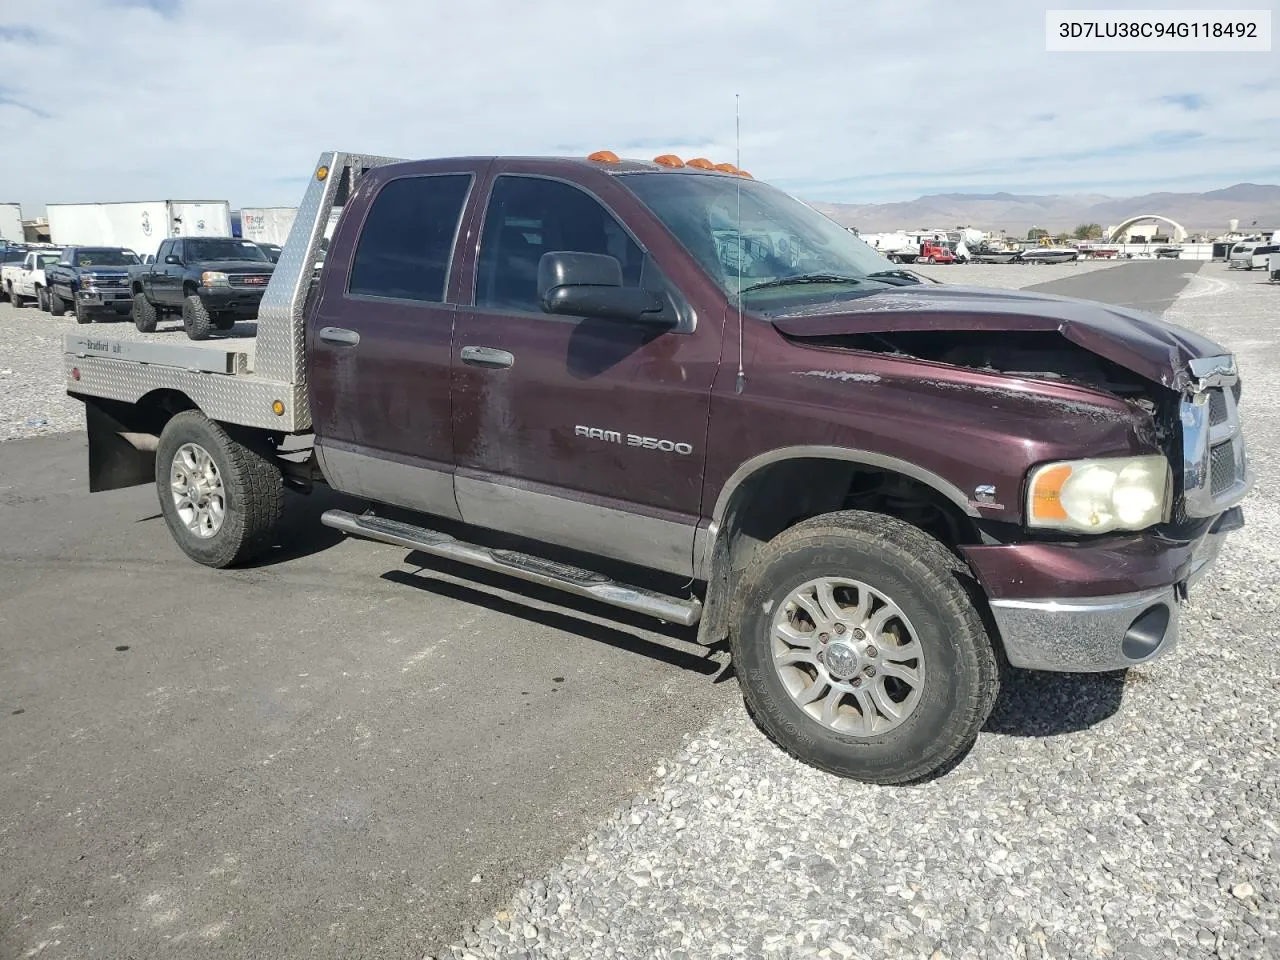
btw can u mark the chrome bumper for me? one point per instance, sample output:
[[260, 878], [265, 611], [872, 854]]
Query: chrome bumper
[[104, 298], [1094, 634]]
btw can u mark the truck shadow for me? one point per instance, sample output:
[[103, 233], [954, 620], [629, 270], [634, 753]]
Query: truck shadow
[[1036, 704], [559, 611], [300, 533]]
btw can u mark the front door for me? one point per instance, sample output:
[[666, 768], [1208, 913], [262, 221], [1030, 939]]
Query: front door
[[379, 341], [584, 433], [166, 279]]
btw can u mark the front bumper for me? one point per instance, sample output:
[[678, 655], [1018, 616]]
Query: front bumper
[[232, 298], [1088, 634], [109, 297]]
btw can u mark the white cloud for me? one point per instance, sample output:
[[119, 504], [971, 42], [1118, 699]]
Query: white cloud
[[234, 98]]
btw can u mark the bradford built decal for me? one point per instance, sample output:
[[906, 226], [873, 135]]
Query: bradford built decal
[[633, 440]]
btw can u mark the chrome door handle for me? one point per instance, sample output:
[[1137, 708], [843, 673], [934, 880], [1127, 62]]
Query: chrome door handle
[[487, 357], [340, 336]]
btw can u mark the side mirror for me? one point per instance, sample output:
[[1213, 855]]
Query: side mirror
[[590, 285], [171, 259]]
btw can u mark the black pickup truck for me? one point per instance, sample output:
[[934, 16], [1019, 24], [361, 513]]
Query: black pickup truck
[[89, 281], [210, 281]]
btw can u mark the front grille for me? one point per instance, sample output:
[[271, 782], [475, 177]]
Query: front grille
[[1222, 468], [249, 279], [1217, 407], [107, 283], [1214, 475]]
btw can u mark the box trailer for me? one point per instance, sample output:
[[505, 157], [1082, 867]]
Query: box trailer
[[139, 226], [11, 222], [267, 224]]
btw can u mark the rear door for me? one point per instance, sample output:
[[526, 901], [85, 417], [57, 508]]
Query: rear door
[[380, 338], [585, 433]]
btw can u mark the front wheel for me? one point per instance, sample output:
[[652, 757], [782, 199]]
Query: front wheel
[[57, 306], [144, 314], [221, 497], [931, 260], [82, 313], [196, 319], [858, 651]]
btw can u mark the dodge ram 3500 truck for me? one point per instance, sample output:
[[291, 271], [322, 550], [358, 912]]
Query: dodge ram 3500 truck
[[872, 488], [89, 281], [210, 281]]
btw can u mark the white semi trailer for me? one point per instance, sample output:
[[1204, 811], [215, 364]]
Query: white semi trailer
[[139, 226], [267, 224], [11, 222]]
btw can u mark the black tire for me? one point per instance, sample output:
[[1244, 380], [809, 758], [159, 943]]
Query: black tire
[[931, 260], [57, 306], [42, 299], [253, 494], [144, 314], [82, 314], [195, 318], [961, 677]]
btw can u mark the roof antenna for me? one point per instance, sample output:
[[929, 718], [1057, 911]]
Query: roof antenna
[[737, 162]]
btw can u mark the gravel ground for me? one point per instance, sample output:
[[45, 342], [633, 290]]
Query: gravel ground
[[1120, 815]]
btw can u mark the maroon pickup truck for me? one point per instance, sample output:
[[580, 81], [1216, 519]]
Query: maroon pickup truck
[[673, 389]]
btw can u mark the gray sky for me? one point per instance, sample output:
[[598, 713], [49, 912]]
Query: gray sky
[[844, 101]]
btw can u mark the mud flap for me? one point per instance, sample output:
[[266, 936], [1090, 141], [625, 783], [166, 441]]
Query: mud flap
[[118, 456]]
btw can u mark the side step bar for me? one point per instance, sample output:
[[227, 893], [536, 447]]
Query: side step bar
[[548, 573]]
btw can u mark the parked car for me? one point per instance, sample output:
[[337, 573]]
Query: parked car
[[1261, 256], [873, 489], [90, 281], [24, 281], [1168, 253], [211, 281], [1241, 257]]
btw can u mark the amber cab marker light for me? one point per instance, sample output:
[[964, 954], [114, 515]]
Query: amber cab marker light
[[669, 160], [604, 156], [726, 168], [702, 163], [277, 408], [322, 173], [743, 173]]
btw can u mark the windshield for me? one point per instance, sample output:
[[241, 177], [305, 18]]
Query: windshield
[[781, 237], [105, 258], [197, 250]]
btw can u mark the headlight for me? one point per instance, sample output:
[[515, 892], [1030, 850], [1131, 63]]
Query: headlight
[[212, 278], [1095, 496]]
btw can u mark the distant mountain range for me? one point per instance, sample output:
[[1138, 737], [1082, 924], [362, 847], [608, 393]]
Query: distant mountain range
[[1208, 213]]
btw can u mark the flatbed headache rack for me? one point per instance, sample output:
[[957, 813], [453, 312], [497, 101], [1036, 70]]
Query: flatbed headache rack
[[258, 383]]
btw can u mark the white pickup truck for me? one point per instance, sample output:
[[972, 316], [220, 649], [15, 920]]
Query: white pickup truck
[[24, 281]]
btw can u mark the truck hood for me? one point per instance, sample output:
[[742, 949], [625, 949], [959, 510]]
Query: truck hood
[[238, 266], [1140, 342]]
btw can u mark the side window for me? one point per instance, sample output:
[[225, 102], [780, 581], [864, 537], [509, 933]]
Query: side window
[[407, 238], [163, 250], [528, 217]]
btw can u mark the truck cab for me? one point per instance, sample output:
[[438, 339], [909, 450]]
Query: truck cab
[[614, 378]]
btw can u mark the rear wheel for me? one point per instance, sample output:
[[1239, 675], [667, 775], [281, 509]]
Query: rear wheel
[[195, 318], [221, 497], [859, 652], [57, 306], [931, 260], [42, 299], [144, 314]]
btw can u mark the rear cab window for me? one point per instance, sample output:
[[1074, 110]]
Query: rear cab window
[[406, 242]]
